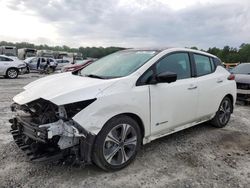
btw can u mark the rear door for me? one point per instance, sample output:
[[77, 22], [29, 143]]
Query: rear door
[[208, 82]]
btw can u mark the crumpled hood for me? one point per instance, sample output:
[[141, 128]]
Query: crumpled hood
[[62, 89]]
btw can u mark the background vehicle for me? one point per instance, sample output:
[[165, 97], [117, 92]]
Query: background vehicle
[[77, 56], [229, 66], [78, 65], [11, 67], [119, 102], [8, 50], [64, 55], [24, 53], [45, 53], [39, 63], [61, 63], [242, 78]]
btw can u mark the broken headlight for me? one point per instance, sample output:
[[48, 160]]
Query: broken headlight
[[74, 108]]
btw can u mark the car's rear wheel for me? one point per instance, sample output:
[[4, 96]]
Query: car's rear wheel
[[223, 114], [12, 73], [117, 143]]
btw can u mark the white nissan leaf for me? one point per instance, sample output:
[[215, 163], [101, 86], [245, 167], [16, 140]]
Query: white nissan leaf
[[104, 113]]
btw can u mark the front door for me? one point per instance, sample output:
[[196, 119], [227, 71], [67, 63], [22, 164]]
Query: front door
[[173, 104]]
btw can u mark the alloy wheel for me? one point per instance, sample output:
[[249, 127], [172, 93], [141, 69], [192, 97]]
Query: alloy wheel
[[120, 144], [225, 112], [12, 73]]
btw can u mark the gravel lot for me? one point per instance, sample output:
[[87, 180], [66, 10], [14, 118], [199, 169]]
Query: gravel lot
[[201, 156]]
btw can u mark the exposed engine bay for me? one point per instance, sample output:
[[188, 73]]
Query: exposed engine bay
[[45, 131]]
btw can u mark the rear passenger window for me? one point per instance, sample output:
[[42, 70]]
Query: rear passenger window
[[203, 65]]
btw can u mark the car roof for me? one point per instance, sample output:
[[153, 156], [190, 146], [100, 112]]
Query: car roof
[[170, 49]]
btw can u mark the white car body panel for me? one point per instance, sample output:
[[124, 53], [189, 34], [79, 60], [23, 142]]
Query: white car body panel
[[212, 88], [115, 100], [79, 88], [183, 107], [172, 97]]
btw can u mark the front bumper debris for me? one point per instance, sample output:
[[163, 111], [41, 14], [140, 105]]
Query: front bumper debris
[[53, 141]]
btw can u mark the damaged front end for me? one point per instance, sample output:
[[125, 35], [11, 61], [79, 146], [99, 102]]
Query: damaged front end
[[45, 131]]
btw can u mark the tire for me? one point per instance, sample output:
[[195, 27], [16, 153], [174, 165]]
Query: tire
[[223, 114], [12, 73], [114, 150]]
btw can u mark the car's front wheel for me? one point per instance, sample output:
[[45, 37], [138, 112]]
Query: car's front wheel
[[12, 73], [117, 143], [223, 114]]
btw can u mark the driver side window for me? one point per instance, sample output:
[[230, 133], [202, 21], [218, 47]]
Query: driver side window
[[178, 63]]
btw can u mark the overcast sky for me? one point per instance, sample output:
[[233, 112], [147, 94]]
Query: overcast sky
[[126, 23]]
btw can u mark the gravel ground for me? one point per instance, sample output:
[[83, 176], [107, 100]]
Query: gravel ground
[[201, 156]]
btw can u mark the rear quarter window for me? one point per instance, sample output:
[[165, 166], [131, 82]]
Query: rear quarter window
[[212, 64], [217, 62]]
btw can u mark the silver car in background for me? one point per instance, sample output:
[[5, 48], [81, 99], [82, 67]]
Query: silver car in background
[[40, 63], [11, 67]]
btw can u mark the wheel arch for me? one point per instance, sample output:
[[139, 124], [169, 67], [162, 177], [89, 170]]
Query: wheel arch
[[134, 117], [11, 68], [230, 96]]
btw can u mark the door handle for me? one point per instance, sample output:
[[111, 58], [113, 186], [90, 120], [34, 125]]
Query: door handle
[[219, 81], [192, 87]]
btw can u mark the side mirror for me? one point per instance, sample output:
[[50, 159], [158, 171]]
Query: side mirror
[[166, 77]]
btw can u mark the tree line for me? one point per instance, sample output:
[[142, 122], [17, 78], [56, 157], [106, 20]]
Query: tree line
[[231, 54], [227, 54]]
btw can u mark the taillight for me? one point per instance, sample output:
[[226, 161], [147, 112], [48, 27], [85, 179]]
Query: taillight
[[231, 77]]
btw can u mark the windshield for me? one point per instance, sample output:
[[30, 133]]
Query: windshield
[[242, 69], [118, 64]]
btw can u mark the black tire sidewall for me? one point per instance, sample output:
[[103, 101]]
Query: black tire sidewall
[[217, 122], [98, 147]]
